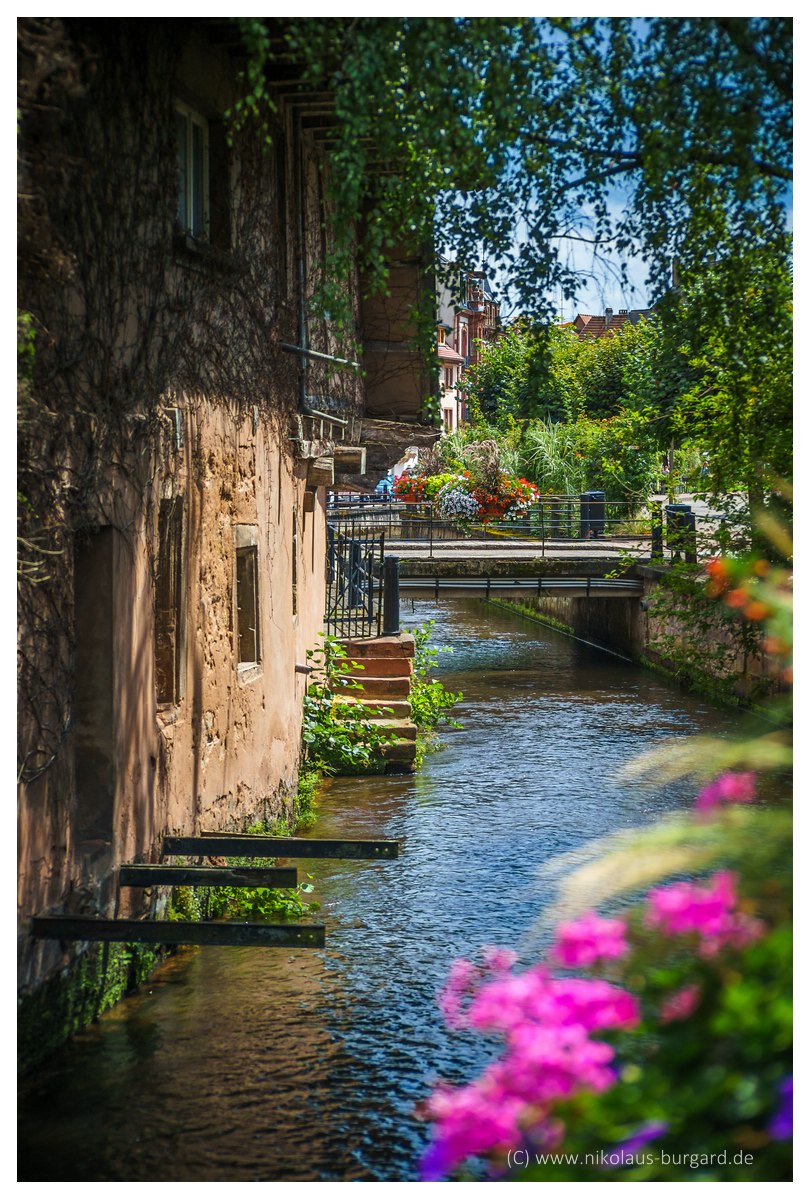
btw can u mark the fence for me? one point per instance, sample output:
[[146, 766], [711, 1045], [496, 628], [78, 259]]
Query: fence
[[354, 571], [653, 529]]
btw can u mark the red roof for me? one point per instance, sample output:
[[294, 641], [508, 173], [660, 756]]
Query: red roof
[[446, 354], [586, 325]]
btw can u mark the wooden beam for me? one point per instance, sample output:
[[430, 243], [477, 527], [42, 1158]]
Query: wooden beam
[[250, 845], [321, 472], [177, 932], [206, 876]]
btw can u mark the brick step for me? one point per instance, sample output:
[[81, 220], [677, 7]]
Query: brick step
[[403, 646], [379, 668], [380, 689]]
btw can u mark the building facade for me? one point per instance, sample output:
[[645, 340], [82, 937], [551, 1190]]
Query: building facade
[[181, 416], [465, 326]]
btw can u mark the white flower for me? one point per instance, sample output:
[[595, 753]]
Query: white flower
[[455, 502]]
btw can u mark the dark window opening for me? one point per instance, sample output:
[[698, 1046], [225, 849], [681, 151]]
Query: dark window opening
[[169, 603], [247, 605], [191, 133]]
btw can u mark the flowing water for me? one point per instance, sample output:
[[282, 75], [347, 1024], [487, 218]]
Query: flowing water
[[255, 1065]]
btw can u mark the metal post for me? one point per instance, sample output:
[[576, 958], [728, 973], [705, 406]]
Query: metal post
[[690, 538], [355, 595], [390, 596], [657, 531], [370, 587]]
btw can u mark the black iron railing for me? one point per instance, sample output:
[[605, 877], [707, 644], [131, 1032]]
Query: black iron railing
[[655, 529], [354, 570]]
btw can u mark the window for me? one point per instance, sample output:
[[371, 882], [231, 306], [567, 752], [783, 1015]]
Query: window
[[169, 603], [247, 596], [191, 131]]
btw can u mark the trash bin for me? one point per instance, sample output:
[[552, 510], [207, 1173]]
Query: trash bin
[[592, 514], [681, 535]]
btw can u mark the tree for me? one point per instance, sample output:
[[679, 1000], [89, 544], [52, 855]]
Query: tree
[[714, 367], [549, 373], [665, 137], [509, 380]]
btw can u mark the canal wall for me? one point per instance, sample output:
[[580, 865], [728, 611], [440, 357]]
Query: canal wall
[[673, 627]]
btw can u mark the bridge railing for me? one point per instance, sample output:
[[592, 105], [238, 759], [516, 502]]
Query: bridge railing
[[662, 531]]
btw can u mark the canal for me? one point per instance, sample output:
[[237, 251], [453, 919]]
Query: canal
[[258, 1065]]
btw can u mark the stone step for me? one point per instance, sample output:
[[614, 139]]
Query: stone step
[[399, 751], [402, 646], [399, 709], [379, 668], [378, 689], [405, 729]]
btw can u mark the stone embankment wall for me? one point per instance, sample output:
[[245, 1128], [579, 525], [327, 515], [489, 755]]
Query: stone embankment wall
[[674, 627]]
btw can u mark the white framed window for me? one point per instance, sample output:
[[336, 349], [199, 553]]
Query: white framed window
[[191, 131]]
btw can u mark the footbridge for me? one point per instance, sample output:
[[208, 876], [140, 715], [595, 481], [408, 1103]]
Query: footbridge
[[480, 570], [568, 546]]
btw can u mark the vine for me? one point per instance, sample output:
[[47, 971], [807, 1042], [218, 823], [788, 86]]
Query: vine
[[701, 642], [123, 315]]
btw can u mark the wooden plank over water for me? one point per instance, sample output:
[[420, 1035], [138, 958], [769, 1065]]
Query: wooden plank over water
[[178, 932], [207, 876], [251, 845]]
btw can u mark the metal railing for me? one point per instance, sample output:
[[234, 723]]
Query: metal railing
[[660, 531], [354, 572]]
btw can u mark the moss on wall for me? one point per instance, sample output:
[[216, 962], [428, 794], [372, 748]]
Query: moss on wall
[[69, 1001]]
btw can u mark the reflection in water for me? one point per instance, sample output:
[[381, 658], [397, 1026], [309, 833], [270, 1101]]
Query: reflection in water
[[249, 1064]]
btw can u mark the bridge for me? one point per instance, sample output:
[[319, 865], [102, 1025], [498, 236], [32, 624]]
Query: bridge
[[487, 587], [563, 546]]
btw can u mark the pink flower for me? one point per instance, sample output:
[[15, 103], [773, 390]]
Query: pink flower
[[731, 787], [690, 907], [534, 996], [476, 1119], [462, 981], [705, 910], [497, 959], [583, 942], [680, 1005]]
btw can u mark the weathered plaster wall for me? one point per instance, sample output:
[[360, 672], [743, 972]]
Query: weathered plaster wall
[[226, 753]]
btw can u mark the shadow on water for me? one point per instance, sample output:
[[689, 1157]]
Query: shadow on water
[[250, 1065]]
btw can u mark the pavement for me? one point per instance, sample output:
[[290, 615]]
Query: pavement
[[519, 549]]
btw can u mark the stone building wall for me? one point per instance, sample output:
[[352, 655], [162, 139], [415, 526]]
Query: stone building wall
[[161, 488]]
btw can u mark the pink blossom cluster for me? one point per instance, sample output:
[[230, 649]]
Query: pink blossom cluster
[[681, 1004], [708, 911], [731, 787], [549, 1056], [464, 979], [548, 1023], [590, 939]]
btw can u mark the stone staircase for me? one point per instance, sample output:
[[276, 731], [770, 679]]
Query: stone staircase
[[384, 667]]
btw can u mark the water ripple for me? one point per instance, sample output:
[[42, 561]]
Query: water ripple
[[249, 1065]]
